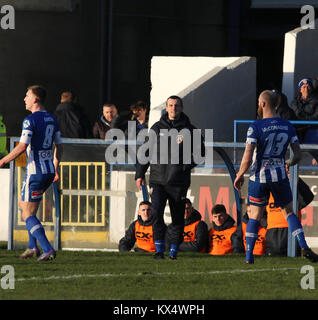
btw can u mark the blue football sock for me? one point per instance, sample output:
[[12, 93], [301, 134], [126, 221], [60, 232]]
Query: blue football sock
[[173, 250], [36, 229], [160, 246], [297, 230], [250, 237], [32, 241]]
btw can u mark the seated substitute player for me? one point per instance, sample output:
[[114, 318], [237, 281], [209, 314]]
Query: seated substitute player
[[39, 132], [239, 245], [140, 231], [269, 138], [195, 233], [221, 235], [277, 228]]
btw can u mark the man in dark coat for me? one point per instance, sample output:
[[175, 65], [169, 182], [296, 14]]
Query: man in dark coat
[[139, 116], [282, 109], [72, 122], [110, 119], [169, 179]]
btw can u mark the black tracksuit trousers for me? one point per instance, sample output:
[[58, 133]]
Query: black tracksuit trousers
[[176, 198]]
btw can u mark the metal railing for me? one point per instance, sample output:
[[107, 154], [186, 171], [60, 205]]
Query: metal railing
[[237, 122], [76, 200], [304, 146], [83, 190], [69, 202]]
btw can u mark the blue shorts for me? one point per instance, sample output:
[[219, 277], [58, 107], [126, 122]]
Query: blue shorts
[[258, 193], [34, 186]]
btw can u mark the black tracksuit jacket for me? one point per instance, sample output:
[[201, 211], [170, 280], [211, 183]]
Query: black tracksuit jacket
[[171, 174]]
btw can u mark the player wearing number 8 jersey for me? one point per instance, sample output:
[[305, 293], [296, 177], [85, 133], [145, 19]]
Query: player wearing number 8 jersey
[[39, 133], [265, 151]]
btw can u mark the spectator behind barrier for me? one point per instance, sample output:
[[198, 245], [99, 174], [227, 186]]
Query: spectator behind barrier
[[305, 106], [109, 119], [139, 116], [137, 123], [72, 121], [195, 234], [282, 108], [221, 233], [315, 84]]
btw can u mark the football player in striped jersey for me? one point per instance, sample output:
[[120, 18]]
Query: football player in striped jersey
[[40, 133], [265, 151]]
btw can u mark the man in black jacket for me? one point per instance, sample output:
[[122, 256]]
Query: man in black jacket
[[170, 179], [72, 121]]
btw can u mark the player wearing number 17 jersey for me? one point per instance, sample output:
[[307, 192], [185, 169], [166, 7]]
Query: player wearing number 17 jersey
[[39, 133], [265, 151]]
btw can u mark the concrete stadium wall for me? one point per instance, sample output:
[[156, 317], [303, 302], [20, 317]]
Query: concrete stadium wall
[[4, 203], [205, 191], [215, 91], [300, 58]]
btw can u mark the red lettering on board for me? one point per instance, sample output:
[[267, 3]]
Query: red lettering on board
[[307, 216], [223, 197], [205, 201]]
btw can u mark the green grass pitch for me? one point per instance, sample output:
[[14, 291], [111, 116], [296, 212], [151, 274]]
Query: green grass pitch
[[78, 275]]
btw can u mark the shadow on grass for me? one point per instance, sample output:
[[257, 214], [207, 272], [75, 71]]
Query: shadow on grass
[[3, 245]]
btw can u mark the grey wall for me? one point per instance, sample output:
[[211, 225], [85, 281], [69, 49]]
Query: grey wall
[[56, 49], [61, 49], [226, 92]]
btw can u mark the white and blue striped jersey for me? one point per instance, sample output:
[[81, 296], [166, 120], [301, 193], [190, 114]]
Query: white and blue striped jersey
[[271, 136], [39, 131]]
